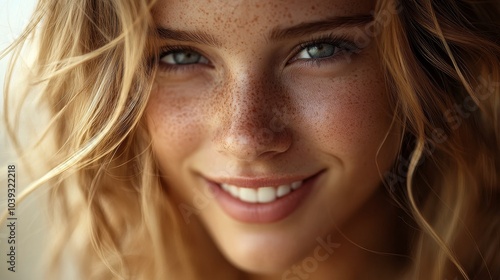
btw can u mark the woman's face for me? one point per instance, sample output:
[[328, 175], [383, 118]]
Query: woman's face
[[255, 98]]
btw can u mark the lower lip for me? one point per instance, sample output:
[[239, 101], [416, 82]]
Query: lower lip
[[262, 212]]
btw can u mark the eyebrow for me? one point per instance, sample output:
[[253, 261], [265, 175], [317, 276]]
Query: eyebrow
[[186, 36], [307, 28], [276, 33]]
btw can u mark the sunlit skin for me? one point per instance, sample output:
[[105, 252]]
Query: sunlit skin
[[246, 103]]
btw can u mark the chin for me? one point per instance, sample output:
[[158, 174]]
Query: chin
[[265, 252], [263, 261]]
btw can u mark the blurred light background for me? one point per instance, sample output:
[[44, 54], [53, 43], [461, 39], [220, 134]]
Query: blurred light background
[[30, 227]]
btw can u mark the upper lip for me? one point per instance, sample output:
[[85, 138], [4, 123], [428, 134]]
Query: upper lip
[[252, 182]]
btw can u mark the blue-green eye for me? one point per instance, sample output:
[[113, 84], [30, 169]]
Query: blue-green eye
[[318, 51], [326, 47], [183, 57]]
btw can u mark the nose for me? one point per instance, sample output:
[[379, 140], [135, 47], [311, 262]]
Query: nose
[[254, 122]]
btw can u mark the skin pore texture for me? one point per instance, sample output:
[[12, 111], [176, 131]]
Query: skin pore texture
[[253, 104]]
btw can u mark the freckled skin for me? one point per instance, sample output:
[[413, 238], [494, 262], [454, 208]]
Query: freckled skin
[[252, 112]]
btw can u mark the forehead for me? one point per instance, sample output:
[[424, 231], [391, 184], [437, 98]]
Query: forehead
[[251, 16]]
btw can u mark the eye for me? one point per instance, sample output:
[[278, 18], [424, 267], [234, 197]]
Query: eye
[[327, 48], [183, 57], [318, 51]]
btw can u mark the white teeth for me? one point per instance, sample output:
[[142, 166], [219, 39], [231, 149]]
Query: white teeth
[[234, 191], [248, 195], [283, 190], [266, 194], [260, 195], [296, 185]]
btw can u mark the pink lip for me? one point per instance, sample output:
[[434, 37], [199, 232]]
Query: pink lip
[[262, 212]]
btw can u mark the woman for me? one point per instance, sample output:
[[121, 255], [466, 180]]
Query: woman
[[272, 139]]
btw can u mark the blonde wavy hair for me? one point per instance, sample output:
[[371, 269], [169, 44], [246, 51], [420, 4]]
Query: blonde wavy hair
[[93, 74]]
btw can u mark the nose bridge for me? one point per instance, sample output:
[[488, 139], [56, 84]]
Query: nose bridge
[[253, 108], [250, 98]]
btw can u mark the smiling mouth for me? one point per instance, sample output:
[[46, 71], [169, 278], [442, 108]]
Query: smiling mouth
[[263, 194], [261, 200]]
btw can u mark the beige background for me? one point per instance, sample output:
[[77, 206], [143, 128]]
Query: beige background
[[30, 237]]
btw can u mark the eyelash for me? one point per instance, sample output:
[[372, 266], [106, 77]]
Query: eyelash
[[344, 44]]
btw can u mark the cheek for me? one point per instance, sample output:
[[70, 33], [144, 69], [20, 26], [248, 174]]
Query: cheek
[[173, 123], [347, 117]]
